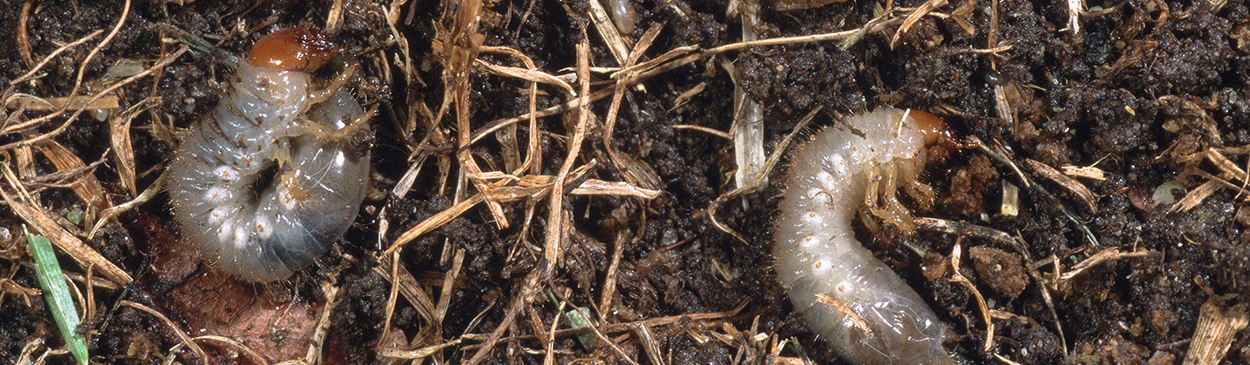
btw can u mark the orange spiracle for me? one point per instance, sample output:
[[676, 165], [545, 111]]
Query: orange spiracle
[[303, 49]]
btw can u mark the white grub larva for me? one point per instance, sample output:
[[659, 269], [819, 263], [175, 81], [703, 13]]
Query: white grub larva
[[855, 302], [623, 15], [273, 120]]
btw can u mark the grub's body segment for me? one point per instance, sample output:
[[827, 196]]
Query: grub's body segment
[[817, 252], [272, 119]]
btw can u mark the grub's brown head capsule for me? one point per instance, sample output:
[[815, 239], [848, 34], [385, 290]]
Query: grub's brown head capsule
[[302, 49], [935, 130]]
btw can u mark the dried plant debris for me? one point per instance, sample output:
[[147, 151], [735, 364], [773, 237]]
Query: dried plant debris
[[626, 157], [1219, 321]]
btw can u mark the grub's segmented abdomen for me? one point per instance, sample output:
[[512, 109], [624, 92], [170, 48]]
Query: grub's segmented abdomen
[[817, 254], [269, 123]]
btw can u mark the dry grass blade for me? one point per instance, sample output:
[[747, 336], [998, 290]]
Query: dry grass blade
[[8, 286], [529, 75], [685, 98], [634, 171], [619, 188], [323, 325], [555, 229], [1076, 187], [393, 296], [420, 353], [1075, 8], [47, 226], [609, 280], [971, 230], [528, 289], [725, 316], [335, 17], [23, 38], [110, 213], [956, 253], [533, 187], [404, 283], [88, 189], [449, 281], [1109, 254], [914, 17], [496, 125], [558, 220], [35, 103], [1228, 171], [533, 151], [123, 149], [65, 125], [233, 344], [52, 56], [438, 220], [28, 350], [961, 15], [649, 344], [672, 59], [77, 85], [755, 183], [603, 23], [461, 48], [186, 340], [748, 125], [703, 129]]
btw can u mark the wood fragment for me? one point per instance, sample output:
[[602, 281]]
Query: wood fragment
[[1219, 321], [1195, 196], [1088, 172]]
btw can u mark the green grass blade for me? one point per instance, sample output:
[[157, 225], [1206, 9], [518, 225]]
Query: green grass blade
[[56, 292], [580, 318]]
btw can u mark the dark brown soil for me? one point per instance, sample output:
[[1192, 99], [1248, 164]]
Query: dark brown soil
[[1142, 92]]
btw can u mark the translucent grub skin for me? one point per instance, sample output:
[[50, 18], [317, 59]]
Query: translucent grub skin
[[274, 117], [816, 251], [623, 15]]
